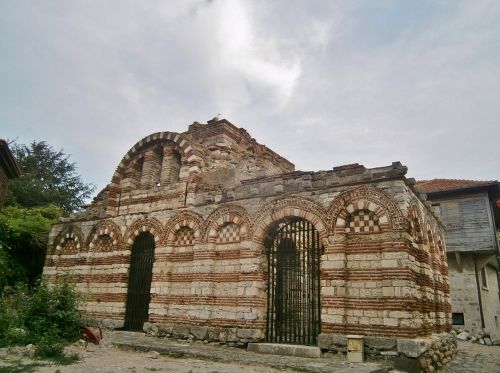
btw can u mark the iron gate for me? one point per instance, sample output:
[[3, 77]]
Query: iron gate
[[139, 282], [293, 297]]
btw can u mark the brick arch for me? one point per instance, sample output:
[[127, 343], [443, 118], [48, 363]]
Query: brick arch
[[224, 215], [182, 145], [430, 235], [184, 219], [415, 224], [107, 227], [289, 207], [140, 225], [365, 197], [69, 232]]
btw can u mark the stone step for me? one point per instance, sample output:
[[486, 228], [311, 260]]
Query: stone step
[[282, 349]]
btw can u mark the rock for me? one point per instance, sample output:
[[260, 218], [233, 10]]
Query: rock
[[411, 347], [4, 352], [199, 332], [380, 343], [423, 362], [164, 330], [153, 354], [232, 335], [463, 336], [331, 341], [250, 334], [181, 331], [389, 353], [407, 364]]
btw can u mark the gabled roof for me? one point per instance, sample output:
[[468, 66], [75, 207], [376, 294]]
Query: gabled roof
[[442, 185], [7, 161]]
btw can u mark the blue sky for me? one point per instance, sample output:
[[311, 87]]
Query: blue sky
[[323, 83]]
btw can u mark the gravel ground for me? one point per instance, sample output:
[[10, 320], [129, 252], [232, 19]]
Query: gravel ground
[[105, 358]]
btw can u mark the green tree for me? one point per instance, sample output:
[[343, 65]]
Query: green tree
[[23, 241], [48, 177]]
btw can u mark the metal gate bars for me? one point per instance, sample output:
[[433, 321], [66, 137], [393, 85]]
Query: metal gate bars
[[139, 282], [293, 297]]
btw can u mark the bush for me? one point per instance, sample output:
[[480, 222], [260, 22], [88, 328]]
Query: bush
[[47, 316]]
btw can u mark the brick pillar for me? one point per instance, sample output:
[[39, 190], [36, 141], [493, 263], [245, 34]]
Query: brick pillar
[[170, 166], [150, 169]]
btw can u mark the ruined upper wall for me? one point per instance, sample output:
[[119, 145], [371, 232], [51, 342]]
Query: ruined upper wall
[[232, 155], [173, 167]]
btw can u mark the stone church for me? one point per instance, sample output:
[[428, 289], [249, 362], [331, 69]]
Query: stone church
[[210, 234]]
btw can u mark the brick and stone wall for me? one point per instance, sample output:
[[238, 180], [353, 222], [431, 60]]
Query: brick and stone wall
[[209, 196]]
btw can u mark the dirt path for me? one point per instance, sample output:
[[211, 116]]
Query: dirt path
[[108, 359]]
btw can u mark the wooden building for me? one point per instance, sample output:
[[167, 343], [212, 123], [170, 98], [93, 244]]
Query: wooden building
[[471, 213]]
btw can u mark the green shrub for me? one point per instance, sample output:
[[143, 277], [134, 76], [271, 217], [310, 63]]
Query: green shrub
[[49, 346], [47, 316]]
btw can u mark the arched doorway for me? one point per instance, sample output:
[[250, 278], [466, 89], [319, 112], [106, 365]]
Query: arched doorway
[[293, 251], [139, 282]]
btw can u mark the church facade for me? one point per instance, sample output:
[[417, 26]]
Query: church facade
[[210, 234]]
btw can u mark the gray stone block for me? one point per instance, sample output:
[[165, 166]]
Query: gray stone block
[[380, 343], [181, 331], [199, 332], [407, 364], [331, 341], [389, 353], [286, 350], [249, 334], [411, 347]]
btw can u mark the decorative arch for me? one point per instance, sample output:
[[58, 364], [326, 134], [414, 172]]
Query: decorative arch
[[151, 225], [102, 228], [369, 198], [440, 246], [430, 236], [414, 221], [69, 241], [184, 219], [279, 209], [224, 215], [182, 145]]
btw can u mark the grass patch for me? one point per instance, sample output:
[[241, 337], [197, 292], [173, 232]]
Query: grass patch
[[19, 366]]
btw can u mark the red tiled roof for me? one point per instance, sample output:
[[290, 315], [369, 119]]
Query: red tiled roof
[[439, 185]]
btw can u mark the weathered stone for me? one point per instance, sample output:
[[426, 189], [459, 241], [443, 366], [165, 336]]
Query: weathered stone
[[199, 332], [407, 364], [181, 331], [249, 334], [331, 341], [389, 353], [287, 350], [411, 347], [232, 335], [153, 354], [164, 330], [380, 343]]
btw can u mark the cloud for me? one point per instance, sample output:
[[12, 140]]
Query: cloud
[[322, 83]]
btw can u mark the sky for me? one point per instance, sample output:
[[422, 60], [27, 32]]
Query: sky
[[322, 83]]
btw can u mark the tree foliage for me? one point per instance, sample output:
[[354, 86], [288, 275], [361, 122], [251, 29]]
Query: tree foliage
[[48, 177], [23, 241]]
